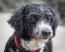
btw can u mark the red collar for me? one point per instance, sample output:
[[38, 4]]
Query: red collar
[[19, 45]]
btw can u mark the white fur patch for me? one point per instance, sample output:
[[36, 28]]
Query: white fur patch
[[42, 25], [34, 44]]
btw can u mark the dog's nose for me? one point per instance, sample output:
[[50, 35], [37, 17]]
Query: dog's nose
[[46, 32]]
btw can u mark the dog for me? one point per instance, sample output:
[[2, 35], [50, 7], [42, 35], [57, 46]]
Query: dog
[[34, 27]]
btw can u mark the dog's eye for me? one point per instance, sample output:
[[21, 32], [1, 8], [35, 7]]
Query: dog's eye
[[48, 17], [34, 17]]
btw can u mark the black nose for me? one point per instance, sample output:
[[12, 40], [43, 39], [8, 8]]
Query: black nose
[[46, 32]]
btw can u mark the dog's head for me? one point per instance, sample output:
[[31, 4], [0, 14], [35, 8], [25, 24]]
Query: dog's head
[[34, 21]]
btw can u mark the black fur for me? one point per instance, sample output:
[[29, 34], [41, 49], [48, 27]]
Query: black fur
[[23, 23]]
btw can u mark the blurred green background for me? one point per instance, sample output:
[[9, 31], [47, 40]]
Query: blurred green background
[[7, 7]]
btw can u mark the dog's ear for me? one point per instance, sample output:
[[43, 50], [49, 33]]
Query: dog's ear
[[55, 21], [16, 21], [55, 26]]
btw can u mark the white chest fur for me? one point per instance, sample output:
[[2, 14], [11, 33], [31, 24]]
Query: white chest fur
[[34, 44]]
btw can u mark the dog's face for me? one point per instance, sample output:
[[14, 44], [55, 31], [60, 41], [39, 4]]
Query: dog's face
[[34, 22], [39, 22], [38, 25]]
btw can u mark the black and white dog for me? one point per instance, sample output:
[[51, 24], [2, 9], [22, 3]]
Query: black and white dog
[[35, 26]]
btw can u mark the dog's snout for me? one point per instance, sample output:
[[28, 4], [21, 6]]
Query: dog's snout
[[46, 32]]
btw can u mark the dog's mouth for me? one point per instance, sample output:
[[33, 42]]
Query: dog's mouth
[[35, 43]]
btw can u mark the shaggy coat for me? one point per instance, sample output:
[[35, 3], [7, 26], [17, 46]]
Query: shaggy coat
[[24, 21]]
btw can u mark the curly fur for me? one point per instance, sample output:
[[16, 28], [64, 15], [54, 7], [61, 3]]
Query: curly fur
[[23, 24]]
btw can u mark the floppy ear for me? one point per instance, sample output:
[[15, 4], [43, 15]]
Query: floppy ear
[[55, 21], [55, 26], [16, 21]]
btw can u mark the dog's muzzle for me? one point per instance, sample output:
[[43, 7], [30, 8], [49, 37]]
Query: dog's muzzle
[[43, 31]]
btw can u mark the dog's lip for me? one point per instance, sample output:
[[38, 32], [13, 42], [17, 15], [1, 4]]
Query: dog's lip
[[41, 38], [50, 37], [44, 38], [38, 36]]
